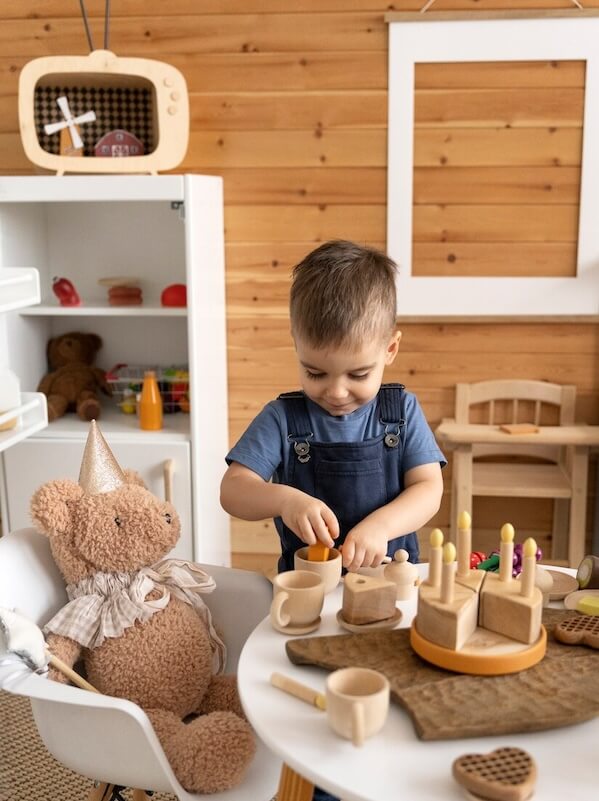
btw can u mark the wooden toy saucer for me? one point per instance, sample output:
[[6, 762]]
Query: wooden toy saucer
[[563, 584], [292, 630], [486, 653], [356, 628]]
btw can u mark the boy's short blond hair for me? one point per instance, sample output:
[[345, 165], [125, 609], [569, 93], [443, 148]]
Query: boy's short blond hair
[[343, 293]]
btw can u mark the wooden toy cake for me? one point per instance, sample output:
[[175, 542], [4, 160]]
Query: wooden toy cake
[[473, 621]]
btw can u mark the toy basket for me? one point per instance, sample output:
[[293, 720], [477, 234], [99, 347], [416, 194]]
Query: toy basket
[[126, 381]]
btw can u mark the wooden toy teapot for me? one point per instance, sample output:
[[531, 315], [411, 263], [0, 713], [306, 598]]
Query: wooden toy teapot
[[403, 573]]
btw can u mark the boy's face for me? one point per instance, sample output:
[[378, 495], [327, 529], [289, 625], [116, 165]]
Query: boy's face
[[341, 380]]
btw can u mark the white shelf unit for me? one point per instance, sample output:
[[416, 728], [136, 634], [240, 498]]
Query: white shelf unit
[[163, 230]]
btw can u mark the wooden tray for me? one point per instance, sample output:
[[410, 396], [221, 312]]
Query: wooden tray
[[561, 690]]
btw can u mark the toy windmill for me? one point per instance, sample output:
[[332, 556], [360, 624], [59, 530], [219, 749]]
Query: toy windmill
[[70, 123]]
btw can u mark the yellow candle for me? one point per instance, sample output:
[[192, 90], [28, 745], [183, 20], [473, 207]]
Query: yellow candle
[[435, 557], [464, 543], [506, 553], [448, 574], [529, 566]]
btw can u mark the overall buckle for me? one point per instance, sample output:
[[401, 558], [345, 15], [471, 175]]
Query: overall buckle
[[301, 446], [392, 433]]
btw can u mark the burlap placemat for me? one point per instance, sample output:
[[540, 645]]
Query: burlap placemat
[[560, 690]]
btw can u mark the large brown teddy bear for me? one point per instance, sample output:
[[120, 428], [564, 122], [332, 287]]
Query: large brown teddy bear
[[73, 383], [150, 644]]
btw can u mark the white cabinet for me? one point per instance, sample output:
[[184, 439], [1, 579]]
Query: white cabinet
[[162, 230]]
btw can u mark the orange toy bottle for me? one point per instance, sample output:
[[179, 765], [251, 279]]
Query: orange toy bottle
[[150, 404]]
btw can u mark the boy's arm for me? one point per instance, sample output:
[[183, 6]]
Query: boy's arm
[[247, 495], [366, 543]]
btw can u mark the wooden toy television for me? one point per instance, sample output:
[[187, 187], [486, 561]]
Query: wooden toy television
[[147, 98]]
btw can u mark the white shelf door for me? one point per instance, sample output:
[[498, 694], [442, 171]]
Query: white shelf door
[[204, 248]]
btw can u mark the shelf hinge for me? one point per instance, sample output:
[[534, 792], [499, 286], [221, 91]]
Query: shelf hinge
[[179, 205]]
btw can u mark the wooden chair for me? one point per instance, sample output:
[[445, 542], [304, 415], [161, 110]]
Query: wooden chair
[[558, 472]]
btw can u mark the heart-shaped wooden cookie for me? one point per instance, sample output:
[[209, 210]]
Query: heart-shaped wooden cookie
[[579, 630], [506, 774]]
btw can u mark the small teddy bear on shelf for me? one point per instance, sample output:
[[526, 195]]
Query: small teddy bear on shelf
[[139, 623], [73, 382]]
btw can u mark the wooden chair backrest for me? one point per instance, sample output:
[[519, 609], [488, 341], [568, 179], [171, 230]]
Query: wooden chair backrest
[[516, 401]]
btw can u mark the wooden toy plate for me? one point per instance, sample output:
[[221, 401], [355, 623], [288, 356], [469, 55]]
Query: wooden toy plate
[[387, 623], [293, 630], [484, 654], [573, 598]]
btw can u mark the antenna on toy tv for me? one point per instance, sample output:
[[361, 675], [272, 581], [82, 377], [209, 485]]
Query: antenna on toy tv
[[88, 32]]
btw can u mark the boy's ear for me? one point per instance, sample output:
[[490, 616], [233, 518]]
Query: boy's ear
[[393, 347]]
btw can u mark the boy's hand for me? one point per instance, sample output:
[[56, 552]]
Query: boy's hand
[[310, 519], [364, 546]]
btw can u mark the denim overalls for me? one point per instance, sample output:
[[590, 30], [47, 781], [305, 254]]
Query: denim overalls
[[352, 478]]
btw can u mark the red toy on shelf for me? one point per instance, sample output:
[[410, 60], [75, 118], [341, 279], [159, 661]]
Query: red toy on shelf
[[65, 292], [174, 295]]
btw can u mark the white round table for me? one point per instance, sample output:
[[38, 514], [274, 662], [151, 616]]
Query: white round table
[[394, 764]]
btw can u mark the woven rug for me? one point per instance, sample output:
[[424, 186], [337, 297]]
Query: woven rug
[[27, 771]]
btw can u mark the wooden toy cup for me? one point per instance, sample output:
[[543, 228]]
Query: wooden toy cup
[[298, 596], [329, 571], [357, 702]]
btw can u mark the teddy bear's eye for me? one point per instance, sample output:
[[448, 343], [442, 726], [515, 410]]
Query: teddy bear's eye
[[168, 517], [117, 520]]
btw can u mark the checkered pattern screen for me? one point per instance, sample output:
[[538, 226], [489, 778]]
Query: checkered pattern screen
[[128, 108]]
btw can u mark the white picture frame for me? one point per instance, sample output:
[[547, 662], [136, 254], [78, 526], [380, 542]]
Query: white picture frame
[[484, 40]]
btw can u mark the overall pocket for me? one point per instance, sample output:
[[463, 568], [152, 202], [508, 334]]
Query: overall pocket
[[352, 489]]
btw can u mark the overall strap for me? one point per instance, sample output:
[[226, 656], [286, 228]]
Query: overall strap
[[392, 413], [298, 423]]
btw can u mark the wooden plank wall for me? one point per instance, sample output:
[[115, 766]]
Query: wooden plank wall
[[498, 150], [289, 104]]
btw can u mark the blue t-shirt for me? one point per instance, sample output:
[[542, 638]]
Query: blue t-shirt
[[264, 447]]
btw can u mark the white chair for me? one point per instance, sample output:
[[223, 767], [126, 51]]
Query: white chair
[[110, 739]]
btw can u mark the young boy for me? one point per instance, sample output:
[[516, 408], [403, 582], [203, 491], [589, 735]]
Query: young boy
[[352, 461]]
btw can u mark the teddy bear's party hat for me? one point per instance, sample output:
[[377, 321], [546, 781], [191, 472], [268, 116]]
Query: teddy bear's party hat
[[100, 471]]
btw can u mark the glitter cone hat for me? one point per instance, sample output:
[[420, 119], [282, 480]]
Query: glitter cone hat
[[100, 471]]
